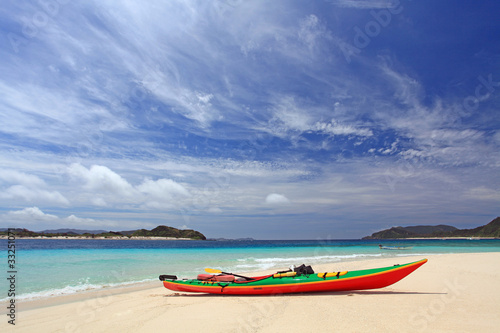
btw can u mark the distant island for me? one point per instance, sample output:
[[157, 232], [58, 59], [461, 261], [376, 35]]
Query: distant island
[[490, 230], [159, 233]]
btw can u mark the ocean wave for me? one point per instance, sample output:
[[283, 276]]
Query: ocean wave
[[260, 264], [254, 267], [71, 290], [312, 258]]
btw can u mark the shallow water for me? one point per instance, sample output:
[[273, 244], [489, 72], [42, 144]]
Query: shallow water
[[47, 268]]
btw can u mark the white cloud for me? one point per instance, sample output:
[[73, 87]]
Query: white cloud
[[277, 199], [104, 187], [194, 105], [74, 220], [98, 201], [290, 119], [365, 4], [484, 193], [34, 195], [334, 128], [21, 178], [35, 216], [31, 213], [262, 170], [452, 136], [162, 189], [392, 150], [23, 186], [100, 179], [312, 31], [42, 113]]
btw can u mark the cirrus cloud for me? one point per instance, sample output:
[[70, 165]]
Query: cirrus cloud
[[276, 199]]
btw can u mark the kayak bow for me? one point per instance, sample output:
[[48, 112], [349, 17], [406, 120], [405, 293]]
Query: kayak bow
[[293, 283]]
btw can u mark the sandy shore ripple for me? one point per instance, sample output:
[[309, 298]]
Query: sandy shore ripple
[[450, 293]]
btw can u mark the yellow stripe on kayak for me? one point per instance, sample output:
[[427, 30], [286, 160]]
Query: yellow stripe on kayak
[[325, 275], [287, 274]]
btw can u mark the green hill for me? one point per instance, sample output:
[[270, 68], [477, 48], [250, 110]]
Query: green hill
[[412, 231], [164, 231], [160, 231], [491, 229]]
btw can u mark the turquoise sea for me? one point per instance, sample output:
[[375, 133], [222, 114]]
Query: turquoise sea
[[45, 268]]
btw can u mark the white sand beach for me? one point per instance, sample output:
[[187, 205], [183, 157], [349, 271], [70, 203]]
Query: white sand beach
[[450, 293]]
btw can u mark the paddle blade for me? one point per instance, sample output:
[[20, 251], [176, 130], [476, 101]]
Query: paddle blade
[[212, 271]]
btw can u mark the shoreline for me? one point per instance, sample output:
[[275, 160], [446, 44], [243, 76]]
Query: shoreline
[[343, 265], [44, 301], [350, 264], [450, 293], [83, 296], [103, 237]]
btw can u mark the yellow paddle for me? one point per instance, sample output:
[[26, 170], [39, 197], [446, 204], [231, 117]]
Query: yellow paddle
[[218, 271]]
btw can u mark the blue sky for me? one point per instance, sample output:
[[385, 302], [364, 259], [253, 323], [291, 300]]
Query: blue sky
[[272, 120]]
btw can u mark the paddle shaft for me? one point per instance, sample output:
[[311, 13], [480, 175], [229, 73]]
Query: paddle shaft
[[241, 276], [218, 271]]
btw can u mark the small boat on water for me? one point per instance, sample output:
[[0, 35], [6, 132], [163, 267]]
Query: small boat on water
[[292, 281], [395, 247]]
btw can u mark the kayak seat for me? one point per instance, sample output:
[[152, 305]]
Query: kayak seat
[[219, 278], [225, 278]]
